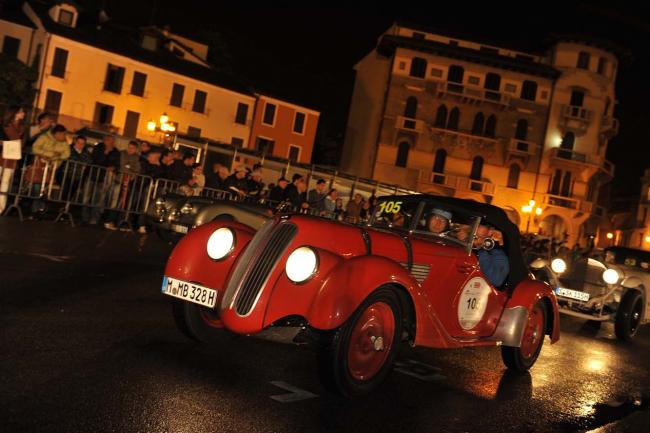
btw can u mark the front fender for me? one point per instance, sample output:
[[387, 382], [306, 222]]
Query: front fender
[[528, 293], [189, 260]]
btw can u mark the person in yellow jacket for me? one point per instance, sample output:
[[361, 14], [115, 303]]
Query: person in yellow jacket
[[52, 146]]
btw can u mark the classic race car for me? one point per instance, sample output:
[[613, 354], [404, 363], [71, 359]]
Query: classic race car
[[358, 291], [612, 289], [173, 215]]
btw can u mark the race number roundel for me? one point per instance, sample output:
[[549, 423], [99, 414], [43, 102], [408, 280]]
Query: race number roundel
[[472, 303]]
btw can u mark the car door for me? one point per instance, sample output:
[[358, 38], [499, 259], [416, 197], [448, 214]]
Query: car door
[[478, 305]]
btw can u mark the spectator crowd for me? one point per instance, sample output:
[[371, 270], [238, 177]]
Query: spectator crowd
[[46, 143]]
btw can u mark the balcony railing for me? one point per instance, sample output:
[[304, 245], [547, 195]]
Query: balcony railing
[[472, 92], [409, 124], [560, 201], [577, 113], [572, 155], [442, 179], [467, 184], [607, 167], [523, 147], [609, 124]]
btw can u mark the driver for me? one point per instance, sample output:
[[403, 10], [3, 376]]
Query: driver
[[439, 220], [491, 257]]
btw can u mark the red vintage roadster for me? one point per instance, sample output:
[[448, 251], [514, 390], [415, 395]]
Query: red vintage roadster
[[358, 291]]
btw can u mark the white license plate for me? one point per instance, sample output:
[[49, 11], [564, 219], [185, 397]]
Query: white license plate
[[189, 292], [573, 294], [179, 228]]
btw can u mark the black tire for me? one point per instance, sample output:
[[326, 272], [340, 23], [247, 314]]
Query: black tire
[[335, 346], [518, 358], [191, 320], [628, 316]]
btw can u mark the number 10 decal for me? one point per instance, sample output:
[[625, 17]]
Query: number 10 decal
[[473, 302]]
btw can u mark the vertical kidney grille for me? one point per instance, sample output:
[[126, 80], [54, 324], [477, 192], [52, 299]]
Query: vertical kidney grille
[[264, 264]]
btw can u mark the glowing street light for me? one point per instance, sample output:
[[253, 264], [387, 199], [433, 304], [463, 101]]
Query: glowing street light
[[165, 126], [529, 209]]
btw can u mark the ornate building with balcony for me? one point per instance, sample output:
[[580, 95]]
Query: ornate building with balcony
[[454, 117]]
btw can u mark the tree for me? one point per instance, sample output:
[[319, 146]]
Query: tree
[[16, 82]]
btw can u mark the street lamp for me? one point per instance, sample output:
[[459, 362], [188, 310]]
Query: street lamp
[[529, 209], [165, 126]]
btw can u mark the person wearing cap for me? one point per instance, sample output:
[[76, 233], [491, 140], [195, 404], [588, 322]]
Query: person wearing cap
[[236, 182], [439, 220], [316, 197]]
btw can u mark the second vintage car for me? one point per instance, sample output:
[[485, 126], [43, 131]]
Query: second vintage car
[[612, 289], [357, 292]]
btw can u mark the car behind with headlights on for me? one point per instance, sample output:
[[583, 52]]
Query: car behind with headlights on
[[612, 289]]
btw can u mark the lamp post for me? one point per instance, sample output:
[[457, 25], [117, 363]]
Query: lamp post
[[164, 126], [529, 209]]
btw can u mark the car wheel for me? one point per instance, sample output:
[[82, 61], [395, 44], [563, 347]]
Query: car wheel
[[523, 357], [628, 317], [356, 358], [197, 322]]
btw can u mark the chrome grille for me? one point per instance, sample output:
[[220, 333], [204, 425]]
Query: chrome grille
[[262, 266]]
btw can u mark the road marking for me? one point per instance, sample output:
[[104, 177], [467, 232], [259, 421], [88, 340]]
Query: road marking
[[50, 257], [294, 395], [419, 370]]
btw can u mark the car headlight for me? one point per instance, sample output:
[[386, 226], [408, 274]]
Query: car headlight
[[187, 208], [558, 266], [221, 243], [610, 276], [301, 264], [160, 202]]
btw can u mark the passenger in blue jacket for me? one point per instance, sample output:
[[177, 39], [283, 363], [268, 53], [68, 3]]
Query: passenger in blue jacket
[[494, 263]]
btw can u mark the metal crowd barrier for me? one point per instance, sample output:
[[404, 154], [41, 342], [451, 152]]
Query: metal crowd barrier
[[97, 190]]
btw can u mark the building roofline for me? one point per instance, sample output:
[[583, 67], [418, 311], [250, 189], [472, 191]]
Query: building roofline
[[389, 43], [623, 54]]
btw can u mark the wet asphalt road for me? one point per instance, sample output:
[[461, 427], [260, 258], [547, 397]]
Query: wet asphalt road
[[88, 344]]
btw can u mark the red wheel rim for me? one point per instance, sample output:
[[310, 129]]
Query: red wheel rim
[[533, 334], [210, 317], [371, 341]]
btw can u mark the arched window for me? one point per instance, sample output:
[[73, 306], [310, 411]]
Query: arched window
[[522, 129], [492, 86], [411, 108], [476, 174], [454, 118], [566, 184], [441, 117], [529, 90], [554, 187], [577, 98], [566, 147], [583, 60], [479, 123], [439, 166], [418, 67], [491, 126], [513, 176], [402, 154]]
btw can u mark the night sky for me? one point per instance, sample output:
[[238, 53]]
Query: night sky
[[306, 54]]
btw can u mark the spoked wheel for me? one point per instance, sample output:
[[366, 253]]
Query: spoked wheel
[[523, 357], [197, 322], [355, 359], [628, 317]]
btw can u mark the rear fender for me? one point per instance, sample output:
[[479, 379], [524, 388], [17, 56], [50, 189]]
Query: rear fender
[[528, 293]]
